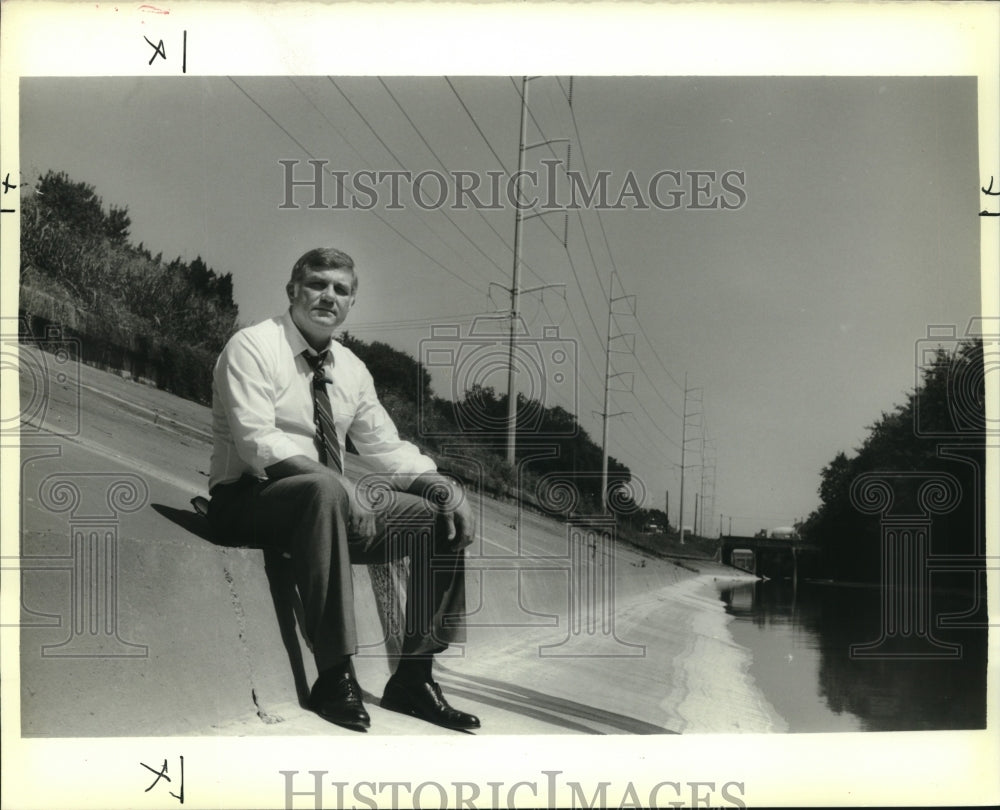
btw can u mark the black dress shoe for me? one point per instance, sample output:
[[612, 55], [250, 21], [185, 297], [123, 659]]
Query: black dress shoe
[[423, 699], [338, 699]]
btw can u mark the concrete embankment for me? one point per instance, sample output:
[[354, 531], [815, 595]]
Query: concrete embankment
[[567, 634]]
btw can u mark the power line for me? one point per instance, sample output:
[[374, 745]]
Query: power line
[[586, 174], [476, 125], [655, 424], [656, 354], [594, 264], [642, 448], [584, 297], [378, 216], [607, 244], [545, 141], [443, 166], [402, 165], [495, 154], [642, 329], [363, 160], [503, 166], [415, 322], [583, 230], [272, 118]]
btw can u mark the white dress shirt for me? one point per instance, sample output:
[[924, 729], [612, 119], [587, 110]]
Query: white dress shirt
[[262, 407]]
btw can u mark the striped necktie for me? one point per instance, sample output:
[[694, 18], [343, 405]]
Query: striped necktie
[[326, 433]]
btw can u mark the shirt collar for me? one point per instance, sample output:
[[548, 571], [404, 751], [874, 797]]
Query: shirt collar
[[298, 342]]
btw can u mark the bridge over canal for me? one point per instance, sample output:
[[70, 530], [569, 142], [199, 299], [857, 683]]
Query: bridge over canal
[[772, 557]]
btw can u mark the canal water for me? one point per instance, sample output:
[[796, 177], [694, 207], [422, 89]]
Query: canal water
[[801, 637]]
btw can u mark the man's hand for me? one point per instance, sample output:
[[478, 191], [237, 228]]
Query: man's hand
[[461, 521], [448, 498], [362, 521]]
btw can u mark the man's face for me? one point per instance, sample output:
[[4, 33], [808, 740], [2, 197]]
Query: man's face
[[320, 301]]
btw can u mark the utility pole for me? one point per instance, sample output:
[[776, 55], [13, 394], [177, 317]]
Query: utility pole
[[684, 443], [720, 525], [515, 290], [695, 532], [684, 424], [708, 464], [607, 387], [607, 393], [730, 525], [703, 471]]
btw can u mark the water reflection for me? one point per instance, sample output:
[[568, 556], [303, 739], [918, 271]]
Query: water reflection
[[801, 637]]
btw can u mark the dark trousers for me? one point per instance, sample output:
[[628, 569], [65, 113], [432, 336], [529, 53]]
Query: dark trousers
[[307, 516]]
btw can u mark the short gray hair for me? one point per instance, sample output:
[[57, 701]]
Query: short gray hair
[[327, 258]]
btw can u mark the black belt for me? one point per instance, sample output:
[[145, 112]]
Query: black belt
[[243, 481]]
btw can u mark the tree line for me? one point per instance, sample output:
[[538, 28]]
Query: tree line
[[939, 431], [164, 320], [559, 463]]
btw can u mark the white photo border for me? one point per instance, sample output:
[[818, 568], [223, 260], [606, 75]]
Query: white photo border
[[770, 39]]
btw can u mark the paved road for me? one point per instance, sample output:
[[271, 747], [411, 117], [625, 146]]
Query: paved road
[[136, 623]]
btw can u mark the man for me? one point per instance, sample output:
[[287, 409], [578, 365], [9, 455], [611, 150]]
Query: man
[[285, 397]]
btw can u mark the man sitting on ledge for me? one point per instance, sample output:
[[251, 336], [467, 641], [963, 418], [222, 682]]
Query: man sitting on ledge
[[285, 396]]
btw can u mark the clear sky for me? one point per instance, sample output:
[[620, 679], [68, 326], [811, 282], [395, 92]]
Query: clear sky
[[795, 316]]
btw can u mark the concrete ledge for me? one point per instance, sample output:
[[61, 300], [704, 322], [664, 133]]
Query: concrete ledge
[[197, 634]]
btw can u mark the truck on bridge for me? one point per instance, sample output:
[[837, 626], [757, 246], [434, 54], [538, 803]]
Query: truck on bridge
[[774, 554]]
